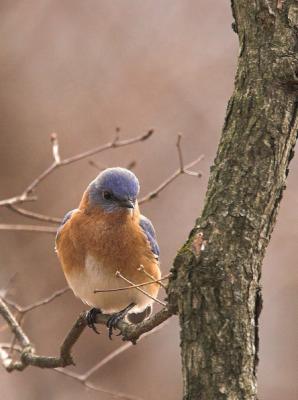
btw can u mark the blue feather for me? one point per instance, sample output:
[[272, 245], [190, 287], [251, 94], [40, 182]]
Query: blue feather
[[149, 230], [66, 217]]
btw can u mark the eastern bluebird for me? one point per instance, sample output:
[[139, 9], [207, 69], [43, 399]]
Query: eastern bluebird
[[106, 234]]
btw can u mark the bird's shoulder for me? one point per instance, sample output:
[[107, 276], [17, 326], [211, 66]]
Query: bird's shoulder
[[149, 231], [64, 220]]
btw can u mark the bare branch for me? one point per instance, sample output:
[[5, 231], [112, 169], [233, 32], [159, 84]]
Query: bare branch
[[14, 326], [118, 274], [28, 356], [55, 148], [142, 269], [181, 163], [37, 304], [79, 378], [25, 196], [28, 228], [34, 215], [84, 378], [11, 203], [183, 169], [133, 286], [17, 199]]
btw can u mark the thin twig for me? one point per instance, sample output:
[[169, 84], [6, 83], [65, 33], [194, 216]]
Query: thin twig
[[94, 387], [25, 196], [180, 156], [84, 377], [55, 148], [133, 286], [29, 357], [10, 203], [14, 326], [34, 215], [17, 199], [142, 269], [183, 169], [39, 303], [118, 274], [28, 228]]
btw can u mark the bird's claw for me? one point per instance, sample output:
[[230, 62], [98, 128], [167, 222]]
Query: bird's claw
[[91, 319], [113, 321], [116, 318]]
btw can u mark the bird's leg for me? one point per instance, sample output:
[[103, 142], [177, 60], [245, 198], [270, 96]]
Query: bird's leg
[[91, 318], [115, 318]]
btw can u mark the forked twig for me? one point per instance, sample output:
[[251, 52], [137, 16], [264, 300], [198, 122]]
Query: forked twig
[[133, 286], [25, 196], [141, 268], [118, 274], [183, 169], [58, 162]]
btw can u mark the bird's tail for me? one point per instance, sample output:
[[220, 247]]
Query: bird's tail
[[136, 318]]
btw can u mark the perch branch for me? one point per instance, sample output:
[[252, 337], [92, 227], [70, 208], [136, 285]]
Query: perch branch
[[28, 356]]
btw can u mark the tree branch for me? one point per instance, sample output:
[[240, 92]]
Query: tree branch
[[28, 356], [183, 169], [25, 196]]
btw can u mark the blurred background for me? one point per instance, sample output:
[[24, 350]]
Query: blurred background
[[81, 69]]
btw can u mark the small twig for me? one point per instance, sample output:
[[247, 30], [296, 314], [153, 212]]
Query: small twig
[[39, 303], [28, 228], [17, 199], [79, 378], [25, 196], [84, 378], [118, 274], [96, 165], [28, 356], [181, 163], [14, 326], [55, 148], [183, 169], [34, 215], [142, 269], [101, 167], [133, 286]]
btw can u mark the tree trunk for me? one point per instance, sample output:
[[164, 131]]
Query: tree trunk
[[216, 286]]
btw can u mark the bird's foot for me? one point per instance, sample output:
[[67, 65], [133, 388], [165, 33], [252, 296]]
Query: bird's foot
[[91, 319], [117, 317]]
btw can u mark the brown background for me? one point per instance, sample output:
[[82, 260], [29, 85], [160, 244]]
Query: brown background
[[81, 68]]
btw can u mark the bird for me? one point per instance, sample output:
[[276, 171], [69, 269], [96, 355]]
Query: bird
[[107, 235]]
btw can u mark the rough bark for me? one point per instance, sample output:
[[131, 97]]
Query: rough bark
[[216, 289]]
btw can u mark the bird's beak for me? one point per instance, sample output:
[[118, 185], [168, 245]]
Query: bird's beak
[[126, 204]]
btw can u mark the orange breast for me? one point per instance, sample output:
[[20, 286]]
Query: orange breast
[[115, 240]]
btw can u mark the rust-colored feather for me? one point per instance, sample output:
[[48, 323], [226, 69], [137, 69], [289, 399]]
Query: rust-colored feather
[[93, 240]]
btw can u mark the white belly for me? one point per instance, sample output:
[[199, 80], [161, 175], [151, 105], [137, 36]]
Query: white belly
[[95, 276]]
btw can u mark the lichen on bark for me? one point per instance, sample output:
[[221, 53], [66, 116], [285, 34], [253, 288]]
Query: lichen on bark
[[217, 289]]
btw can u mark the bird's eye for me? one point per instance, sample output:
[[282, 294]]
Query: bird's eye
[[107, 195]]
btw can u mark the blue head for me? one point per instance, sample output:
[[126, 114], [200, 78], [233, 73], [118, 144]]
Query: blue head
[[114, 189]]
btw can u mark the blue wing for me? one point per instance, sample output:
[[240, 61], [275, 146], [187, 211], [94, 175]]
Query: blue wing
[[66, 217], [149, 230]]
